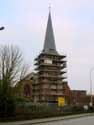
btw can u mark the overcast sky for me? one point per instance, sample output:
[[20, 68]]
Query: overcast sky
[[73, 23]]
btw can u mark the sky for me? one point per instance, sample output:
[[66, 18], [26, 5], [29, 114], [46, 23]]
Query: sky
[[73, 24]]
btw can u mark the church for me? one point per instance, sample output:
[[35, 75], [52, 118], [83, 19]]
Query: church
[[48, 83], [50, 68]]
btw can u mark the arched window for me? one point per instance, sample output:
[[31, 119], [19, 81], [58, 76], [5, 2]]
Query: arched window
[[27, 90]]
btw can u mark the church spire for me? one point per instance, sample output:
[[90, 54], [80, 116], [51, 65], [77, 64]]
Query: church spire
[[49, 43]]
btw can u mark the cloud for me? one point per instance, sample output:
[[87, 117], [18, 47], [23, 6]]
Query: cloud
[[73, 23]]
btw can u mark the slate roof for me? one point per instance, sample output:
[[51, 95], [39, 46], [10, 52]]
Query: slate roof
[[49, 43]]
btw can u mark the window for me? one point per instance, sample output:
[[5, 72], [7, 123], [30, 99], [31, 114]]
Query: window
[[27, 90]]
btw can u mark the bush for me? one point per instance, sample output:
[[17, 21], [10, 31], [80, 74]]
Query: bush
[[7, 106], [77, 109], [21, 100]]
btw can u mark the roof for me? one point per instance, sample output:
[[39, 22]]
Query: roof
[[49, 43]]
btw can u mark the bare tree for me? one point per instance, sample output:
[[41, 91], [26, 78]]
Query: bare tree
[[25, 70], [12, 68]]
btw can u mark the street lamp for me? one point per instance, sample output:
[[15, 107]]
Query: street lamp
[[2, 28], [91, 99]]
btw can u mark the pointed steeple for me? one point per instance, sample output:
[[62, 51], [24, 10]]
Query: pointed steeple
[[49, 43]]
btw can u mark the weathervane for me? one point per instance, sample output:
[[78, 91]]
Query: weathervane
[[49, 6]]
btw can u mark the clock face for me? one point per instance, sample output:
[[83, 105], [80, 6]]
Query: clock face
[[48, 61]]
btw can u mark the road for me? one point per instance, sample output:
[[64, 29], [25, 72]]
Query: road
[[77, 121], [82, 119]]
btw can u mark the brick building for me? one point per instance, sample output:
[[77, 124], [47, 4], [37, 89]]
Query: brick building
[[78, 97]]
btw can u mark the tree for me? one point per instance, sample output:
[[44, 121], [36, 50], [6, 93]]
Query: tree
[[12, 69]]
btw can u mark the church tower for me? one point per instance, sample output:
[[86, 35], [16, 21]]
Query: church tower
[[50, 67]]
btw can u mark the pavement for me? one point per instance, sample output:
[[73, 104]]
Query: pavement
[[46, 120]]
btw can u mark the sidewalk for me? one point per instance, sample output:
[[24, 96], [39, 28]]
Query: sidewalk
[[44, 120]]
